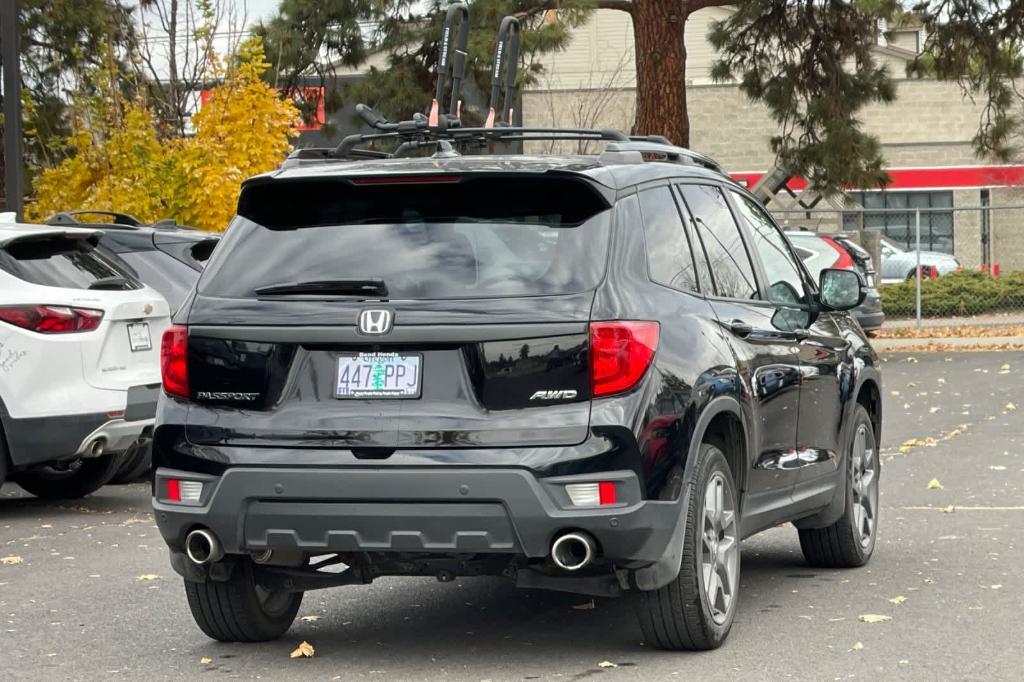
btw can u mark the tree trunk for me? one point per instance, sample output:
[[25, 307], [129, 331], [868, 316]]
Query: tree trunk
[[658, 30]]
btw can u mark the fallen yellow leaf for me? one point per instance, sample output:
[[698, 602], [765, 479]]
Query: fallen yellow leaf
[[898, 600], [304, 650], [873, 618], [205, 660], [947, 510], [1010, 407], [10, 560], [607, 664], [148, 576], [934, 484], [857, 646]]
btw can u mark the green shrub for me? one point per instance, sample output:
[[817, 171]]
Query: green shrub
[[961, 293]]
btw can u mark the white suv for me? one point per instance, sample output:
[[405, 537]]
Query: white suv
[[79, 370]]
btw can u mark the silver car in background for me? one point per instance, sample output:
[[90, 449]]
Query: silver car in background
[[899, 264], [820, 250]]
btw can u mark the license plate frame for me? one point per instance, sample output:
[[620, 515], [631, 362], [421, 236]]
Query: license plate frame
[[365, 362], [139, 338]]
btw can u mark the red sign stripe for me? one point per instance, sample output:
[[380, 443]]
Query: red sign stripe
[[926, 178]]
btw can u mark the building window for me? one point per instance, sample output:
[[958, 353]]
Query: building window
[[892, 213]]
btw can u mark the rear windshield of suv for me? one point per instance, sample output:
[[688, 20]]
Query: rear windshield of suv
[[420, 242], [66, 261]]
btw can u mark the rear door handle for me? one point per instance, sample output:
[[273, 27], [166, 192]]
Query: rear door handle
[[740, 328]]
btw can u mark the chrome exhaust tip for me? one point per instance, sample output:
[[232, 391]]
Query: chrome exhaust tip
[[97, 447], [573, 551], [202, 547]]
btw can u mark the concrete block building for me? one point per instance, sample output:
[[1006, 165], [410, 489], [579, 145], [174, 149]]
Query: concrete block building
[[966, 202]]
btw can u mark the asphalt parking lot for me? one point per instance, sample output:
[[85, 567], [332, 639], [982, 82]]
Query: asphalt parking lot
[[93, 596]]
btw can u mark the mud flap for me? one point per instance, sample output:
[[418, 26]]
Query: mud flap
[[666, 569]]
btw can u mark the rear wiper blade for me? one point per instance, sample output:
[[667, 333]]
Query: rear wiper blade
[[111, 284], [329, 287]]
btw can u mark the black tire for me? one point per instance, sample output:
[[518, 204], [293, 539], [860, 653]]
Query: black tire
[[843, 544], [69, 480], [679, 616], [237, 611], [137, 462]]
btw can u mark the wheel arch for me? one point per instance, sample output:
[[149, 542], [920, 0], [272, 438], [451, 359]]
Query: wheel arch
[[869, 395], [722, 419], [724, 427]]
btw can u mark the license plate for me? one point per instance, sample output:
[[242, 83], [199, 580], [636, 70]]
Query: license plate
[[138, 336], [378, 375]]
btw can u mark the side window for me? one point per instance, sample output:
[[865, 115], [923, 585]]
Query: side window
[[727, 255], [668, 249], [785, 285]]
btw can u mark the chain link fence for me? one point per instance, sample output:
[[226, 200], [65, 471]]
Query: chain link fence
[[935, 265]]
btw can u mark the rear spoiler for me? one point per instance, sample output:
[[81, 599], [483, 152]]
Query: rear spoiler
[[72, 233]]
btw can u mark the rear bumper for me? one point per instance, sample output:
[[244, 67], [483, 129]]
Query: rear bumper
[[450, 510], [37, 440]]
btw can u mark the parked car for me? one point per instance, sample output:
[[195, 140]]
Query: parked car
[[80, 371], [899, 264], [595, 374], [819, 250], [163, 255]]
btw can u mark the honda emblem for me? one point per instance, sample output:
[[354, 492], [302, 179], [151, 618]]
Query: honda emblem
[[375, 321]]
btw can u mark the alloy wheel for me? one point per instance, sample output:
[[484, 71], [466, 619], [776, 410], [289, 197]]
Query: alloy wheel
[[719, 548], [865, 486]]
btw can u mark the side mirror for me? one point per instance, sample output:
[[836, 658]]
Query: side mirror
[[840, 289]]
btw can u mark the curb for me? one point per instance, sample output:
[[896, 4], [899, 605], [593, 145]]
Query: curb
[[947, 343]]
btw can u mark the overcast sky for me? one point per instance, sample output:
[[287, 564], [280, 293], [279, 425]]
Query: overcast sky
[[259, 9]]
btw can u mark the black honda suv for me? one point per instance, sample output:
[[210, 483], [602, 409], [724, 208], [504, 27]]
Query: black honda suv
[[594, 374], [591, 373]]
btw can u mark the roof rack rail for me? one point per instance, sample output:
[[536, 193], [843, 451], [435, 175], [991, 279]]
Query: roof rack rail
[[120, 220], [652, 150]]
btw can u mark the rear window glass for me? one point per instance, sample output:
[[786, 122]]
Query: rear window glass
[[421, 241], [70, 263]]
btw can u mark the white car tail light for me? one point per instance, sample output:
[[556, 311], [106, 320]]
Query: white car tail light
[[591, 494], [51, 319]]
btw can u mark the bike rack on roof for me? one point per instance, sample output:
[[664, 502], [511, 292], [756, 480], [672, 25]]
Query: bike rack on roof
[[442, 131], [451, 117], [507, 50]]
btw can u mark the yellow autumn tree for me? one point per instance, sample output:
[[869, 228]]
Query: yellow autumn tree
[[119, 169], [243, 129], [121, 164]]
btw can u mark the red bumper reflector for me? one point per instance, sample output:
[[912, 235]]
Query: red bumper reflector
[[173, 490], [606, 492]]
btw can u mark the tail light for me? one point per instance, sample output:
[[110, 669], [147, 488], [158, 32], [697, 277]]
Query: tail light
[[174, 361], [51, 319], [843, 261], [620, 353]]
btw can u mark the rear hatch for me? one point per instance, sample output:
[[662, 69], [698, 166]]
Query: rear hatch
[[400, 312], [68, 270]]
